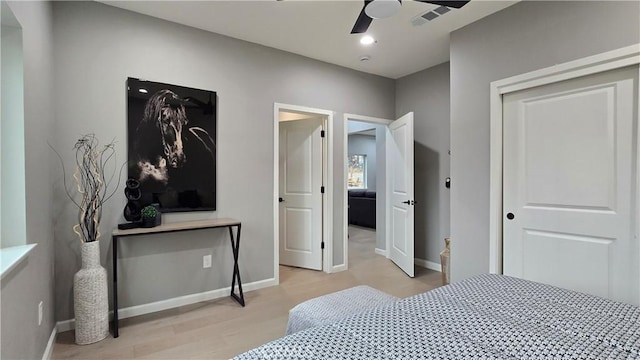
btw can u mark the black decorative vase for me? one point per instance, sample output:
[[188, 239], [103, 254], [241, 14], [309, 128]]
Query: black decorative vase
[[133, 194]]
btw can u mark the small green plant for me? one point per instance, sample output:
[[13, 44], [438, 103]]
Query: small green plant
[[149, 212]]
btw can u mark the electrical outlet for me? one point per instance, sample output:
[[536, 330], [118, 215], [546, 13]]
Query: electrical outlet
[[206, 261], [40, 309]]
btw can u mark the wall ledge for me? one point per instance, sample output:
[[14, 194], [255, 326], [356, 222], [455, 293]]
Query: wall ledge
[[11, 256]]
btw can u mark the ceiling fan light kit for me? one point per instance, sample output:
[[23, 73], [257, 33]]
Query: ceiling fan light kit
[[378, 9]]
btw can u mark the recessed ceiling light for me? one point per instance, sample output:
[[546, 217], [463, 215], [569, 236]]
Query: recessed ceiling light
[[144, 91], [367, 40]]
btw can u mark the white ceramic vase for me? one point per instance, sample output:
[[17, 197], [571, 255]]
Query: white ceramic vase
[[90, 297]]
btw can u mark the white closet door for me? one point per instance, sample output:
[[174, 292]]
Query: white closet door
[[570, 165]]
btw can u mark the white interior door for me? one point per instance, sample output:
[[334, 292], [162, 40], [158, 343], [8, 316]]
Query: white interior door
[[399, 147], [301, 199], [570, 183]]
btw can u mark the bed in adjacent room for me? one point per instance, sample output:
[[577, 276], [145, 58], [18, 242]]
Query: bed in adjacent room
[[484, 317]]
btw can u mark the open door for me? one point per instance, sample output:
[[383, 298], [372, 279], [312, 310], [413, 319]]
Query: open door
[[300, 193], [400, 193]]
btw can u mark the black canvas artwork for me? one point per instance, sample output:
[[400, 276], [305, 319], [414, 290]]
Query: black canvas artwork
[[171, 141]]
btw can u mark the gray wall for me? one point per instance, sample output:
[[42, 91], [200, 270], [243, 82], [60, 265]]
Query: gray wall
[[519, 39], [365, 145], [98, 47], [32, 281], [426, 93]]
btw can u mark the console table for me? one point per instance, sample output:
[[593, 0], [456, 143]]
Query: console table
[[173, 227]]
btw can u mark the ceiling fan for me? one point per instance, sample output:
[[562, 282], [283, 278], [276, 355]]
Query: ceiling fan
[[378, 9]]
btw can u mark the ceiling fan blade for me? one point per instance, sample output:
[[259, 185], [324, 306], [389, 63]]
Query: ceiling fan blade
[[363, 21], [451, 4]]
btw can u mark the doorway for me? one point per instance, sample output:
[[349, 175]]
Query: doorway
[[300, 195], [395, 189], [365, 140], [302, 167]]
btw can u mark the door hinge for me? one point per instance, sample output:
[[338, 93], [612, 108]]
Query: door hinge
[[322, 245], [321, 189], [321, 133]]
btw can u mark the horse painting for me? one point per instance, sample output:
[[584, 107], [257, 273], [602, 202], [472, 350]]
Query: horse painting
[[167, 154], [159, 141]]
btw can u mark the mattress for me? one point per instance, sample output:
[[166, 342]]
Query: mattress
[[484, 317]]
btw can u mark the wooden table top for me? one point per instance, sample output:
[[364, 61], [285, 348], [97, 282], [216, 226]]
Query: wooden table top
[[177, 226]]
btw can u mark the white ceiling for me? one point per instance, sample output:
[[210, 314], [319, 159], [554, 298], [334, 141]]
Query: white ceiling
[[320, 29]]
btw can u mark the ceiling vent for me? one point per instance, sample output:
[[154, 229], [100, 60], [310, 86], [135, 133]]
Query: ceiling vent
[[429, 16], [417, 21], [442, 10]]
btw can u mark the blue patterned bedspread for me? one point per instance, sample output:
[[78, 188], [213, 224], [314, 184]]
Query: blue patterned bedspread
[[484, 317]]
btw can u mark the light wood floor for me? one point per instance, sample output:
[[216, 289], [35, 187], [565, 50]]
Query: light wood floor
[[220, 329]]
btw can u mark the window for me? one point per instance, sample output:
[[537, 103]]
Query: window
[[12, 159], [13, 239], [357, 172]]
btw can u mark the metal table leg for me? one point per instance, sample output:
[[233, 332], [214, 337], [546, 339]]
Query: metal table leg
[[115, 286], [235, 247]]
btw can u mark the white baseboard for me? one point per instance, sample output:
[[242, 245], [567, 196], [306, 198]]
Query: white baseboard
[[382, 252], [66, 325], [338, 268], [189, 299], [428, 264], [124, 313], [48, 351]]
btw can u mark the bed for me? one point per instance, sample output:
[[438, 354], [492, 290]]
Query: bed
[[484, 317]]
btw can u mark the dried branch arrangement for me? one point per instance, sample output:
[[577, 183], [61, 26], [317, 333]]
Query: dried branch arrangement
[[89, 175]]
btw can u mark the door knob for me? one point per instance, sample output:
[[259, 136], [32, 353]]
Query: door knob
[[510, 216], [280, 199], [409, 202]]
